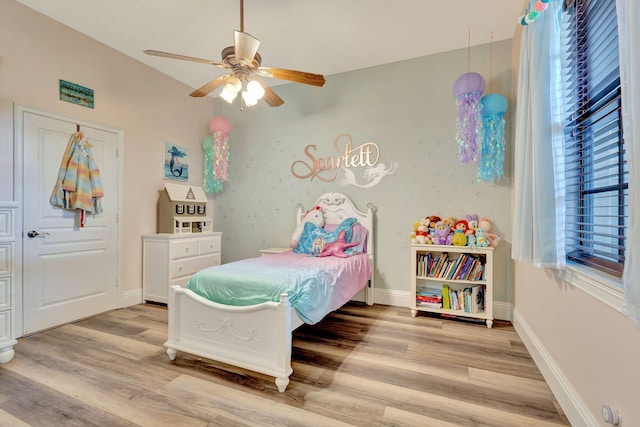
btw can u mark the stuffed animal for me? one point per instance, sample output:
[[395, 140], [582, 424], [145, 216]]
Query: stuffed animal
[[414, 233], [461, 225], [482, 241], [337, 248], [451, 222], [314, 216], [443, 234], [494, 239], [459, 238], [433, 220], [471, 240], [420, 233], [472, 222]]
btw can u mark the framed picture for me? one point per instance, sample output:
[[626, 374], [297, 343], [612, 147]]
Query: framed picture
[[176, 162]]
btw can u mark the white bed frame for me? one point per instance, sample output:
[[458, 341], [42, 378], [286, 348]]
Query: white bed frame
[[256, 337]]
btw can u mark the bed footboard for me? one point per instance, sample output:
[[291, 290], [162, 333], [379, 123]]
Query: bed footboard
[[256, 337]]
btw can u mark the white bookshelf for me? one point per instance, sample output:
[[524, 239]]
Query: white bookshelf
[[424, 278]]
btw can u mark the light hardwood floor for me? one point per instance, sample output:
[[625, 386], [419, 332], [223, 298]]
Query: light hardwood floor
[[362, 366]]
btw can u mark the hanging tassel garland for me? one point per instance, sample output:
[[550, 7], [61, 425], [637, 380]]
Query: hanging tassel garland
[[216, 155], [221, 155]]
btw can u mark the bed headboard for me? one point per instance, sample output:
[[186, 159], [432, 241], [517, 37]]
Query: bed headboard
[[337, 207]]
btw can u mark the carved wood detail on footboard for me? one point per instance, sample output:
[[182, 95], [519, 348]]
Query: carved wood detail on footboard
[[256, 337]]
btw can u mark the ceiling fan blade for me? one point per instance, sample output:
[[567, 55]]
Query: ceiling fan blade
[[245, 47], [184, 58], [292, 75], [209, 87], [270, 97]]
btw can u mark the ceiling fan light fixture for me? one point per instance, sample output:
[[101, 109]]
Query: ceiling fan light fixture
[[243, 63], [249, 100], [228, 93], [255, 89], [235, 83]]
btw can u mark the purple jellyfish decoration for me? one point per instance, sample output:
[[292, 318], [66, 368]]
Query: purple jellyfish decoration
[[491, 164], [467, 90]]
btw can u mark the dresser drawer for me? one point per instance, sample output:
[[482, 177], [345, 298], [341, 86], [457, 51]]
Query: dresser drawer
[[188, 266], [210, 245], [184, 248], [172, 259], [5, 293]]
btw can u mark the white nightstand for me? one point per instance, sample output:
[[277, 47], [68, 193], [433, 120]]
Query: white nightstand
[[274, 250]]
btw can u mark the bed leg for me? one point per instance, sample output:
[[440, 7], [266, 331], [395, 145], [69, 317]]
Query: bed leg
[[282, 383], [171, 353]]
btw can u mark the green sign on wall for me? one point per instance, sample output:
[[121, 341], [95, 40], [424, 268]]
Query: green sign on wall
[[76, 94]]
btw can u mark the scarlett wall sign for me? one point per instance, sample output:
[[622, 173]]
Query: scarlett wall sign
[[325, 169], [76, 94]]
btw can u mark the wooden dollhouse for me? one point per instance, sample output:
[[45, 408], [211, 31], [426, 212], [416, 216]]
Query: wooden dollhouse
[[183, 209]]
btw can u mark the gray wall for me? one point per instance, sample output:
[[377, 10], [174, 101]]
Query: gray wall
[[408, 109]]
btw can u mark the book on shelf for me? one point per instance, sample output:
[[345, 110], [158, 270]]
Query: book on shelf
[[429, 297], [459, 264], [446, 297], [470, 269], [454, 268], [455, 300], [477, 299], [424, 264], [438, 263], [463, 270], [469, 299], [429, 304]]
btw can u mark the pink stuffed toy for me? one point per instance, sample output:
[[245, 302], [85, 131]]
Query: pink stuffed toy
[[314, 216], [337, 248]]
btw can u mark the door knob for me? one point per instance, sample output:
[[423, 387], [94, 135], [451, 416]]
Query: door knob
[[34, 233]]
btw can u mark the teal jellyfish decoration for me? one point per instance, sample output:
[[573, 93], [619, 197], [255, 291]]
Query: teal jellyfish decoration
[[491, 163]]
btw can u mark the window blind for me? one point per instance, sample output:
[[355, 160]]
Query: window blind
[[596, 169]]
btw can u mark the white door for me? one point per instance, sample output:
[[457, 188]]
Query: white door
[[69, 272]]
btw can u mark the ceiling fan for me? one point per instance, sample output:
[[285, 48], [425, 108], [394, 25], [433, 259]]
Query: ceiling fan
[[245, 66]]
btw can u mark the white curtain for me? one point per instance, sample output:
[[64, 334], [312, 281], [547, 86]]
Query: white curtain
[[628, 12], [538, 232]]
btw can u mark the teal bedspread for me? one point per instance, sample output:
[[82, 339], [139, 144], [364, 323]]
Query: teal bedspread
[[315, 285]]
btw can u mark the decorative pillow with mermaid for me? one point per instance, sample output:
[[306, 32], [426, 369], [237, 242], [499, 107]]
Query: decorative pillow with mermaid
[[337, 241]]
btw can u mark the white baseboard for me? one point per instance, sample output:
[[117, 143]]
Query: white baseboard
[[133, 297], [501, 309], [571, 403], [390, 297]]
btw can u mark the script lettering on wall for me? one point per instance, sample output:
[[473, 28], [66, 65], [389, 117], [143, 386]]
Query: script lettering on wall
[[348, 158]]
